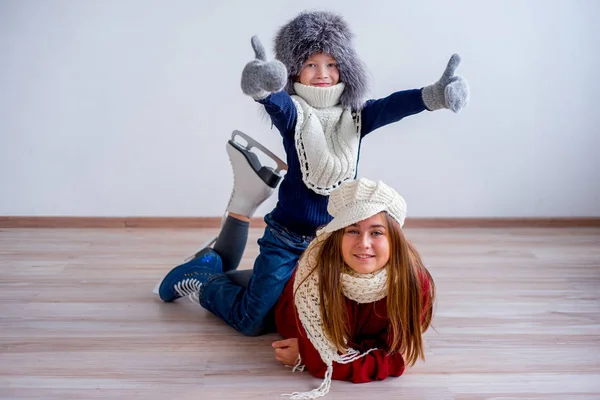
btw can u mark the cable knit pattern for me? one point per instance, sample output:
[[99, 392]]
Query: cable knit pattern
[[327, 137], [362, 288], [360, 199], [299, 208]]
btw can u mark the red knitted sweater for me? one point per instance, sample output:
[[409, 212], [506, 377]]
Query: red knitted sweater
[[368, 328]]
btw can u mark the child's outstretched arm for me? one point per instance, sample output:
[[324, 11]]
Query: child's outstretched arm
[[450, 92], [264, 81]]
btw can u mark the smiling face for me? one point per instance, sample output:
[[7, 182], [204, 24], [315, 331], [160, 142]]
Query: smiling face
[[320, 70], [366, 245]]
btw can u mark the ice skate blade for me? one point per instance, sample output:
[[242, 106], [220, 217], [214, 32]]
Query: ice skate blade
[[281, 165], [244, 162]]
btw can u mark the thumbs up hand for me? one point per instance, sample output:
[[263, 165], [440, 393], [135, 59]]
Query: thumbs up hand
[[261, 77], [450, 91]]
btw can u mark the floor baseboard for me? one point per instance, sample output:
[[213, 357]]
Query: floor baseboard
[[215, 222]]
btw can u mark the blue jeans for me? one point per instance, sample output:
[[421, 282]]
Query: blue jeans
[[249, 310]]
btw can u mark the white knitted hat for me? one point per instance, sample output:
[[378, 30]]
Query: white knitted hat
[[356, 200]]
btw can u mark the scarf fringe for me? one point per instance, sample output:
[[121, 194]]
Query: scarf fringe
[[321, 391], [298, 366]]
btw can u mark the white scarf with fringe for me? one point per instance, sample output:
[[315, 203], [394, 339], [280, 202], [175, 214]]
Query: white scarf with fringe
[[327, 137], [361, 288]]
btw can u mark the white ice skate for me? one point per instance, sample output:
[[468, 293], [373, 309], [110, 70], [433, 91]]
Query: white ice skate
[[253, 182]]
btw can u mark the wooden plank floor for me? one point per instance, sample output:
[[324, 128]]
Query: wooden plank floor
[[518, 317]]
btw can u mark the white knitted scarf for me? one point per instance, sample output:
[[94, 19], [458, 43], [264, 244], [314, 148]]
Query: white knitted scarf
[[362, 288], [327, 137]]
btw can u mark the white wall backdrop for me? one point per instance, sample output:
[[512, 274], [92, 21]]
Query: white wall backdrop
[[123, 108]]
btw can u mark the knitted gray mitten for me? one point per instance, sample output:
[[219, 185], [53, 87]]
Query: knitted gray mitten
[[449, 92], [261, 77]]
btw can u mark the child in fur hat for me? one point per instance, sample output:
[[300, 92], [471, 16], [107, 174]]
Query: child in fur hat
[[313, 93]]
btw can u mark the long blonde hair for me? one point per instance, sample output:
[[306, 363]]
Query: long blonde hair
[[408, 316]]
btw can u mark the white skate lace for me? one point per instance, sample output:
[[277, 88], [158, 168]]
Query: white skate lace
[[188, 287]]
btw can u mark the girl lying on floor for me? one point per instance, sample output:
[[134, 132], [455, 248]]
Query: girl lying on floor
[[360, 299]]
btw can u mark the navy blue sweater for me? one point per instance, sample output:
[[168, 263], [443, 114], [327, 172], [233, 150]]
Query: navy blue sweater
[[298, 208]]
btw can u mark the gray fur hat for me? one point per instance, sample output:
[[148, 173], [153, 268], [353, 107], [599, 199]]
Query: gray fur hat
[[321, 31]]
